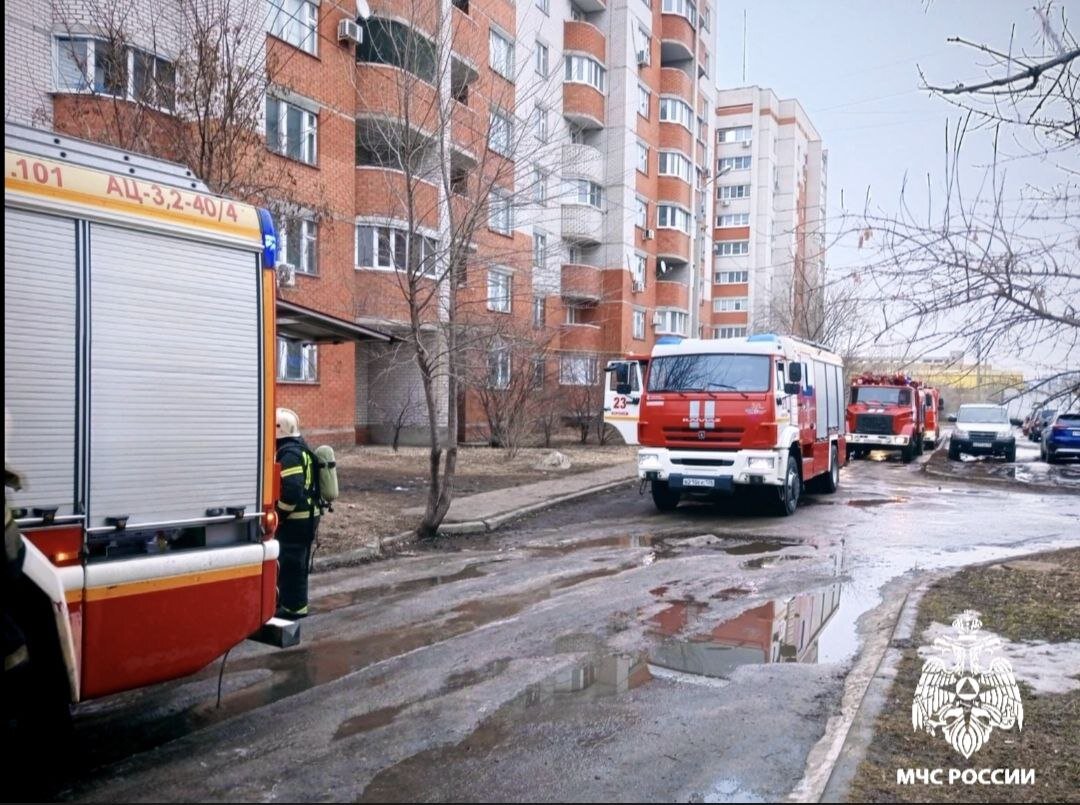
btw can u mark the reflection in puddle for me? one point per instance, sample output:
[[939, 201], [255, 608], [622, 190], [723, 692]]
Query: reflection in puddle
[[771, 561], [352, 597], [621, 541], [760, 546]]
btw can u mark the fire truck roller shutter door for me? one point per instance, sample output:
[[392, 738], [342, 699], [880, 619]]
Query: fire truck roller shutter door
[[39, 357], [836, 397], [821, 396]]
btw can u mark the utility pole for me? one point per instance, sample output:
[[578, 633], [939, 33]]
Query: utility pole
[[744, 47]]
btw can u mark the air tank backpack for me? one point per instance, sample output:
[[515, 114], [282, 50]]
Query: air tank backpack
[[326, 483]]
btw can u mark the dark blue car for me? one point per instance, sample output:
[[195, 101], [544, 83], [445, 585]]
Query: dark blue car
[[1061, 438]]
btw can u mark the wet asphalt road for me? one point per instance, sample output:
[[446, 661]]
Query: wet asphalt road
[[600, 650]]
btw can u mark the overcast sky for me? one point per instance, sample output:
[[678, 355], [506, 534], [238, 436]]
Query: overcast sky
[[854, 67]]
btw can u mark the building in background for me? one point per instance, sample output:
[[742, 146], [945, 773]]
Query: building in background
[[769, 236], [600, 241]]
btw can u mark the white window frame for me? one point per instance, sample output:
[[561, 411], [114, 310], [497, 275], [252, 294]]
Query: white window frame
[[539, 312], [540, 58], [295, 22], [544, 5], [541, 128], [735, 134], [669, 216], [644, 100], [585, 191], [309, 131], [309, 357], [499, 366], [87, 82], [539, 188], [637, 331], [681, 169], [500, 212], [501, 53], [396, 239], [731, 277], [730, 304], [540, 249], [729, 332], [309, 248], [729, 220], [739, 163], [643, 157], [577, 369], [500, 131], [582, 69], [732, 248], [639, 267], [733, 192], [673, 322], [674, 109], [499, 289], [684, 8], [641, 212]]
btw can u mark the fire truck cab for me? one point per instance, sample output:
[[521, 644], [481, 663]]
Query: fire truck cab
[[726, 416], [886, 412], [622, 394], [932, 407]]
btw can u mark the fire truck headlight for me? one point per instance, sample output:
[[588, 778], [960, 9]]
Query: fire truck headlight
[[761, 462], [648, 461]]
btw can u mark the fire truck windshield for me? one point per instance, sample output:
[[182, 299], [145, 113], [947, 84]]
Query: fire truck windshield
[[709, 372], [882, 395]]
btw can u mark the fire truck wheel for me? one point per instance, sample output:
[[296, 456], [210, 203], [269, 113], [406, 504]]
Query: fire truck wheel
[[826, 484], [788, 499], [665, 498]]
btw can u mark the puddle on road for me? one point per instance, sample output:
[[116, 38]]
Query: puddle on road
[[868, 502], [760, 546], [771, 561], [621, 541], [368, 721], [328, 603]]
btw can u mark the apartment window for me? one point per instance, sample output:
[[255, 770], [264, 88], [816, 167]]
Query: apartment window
[[669, 216], [391, 247], [500, 132], [705, 18], [730, 191], [502, 54], [500, 213], [577, 370], [676, 110], [732, 164], [499, 366], [641, 263], [459, 180], [544, 5], [586, 70], [399, 45], [641, 213], [731, 277], [297, 362], [642, 157], [537, 381], [295, 21], [638, 325], [674, 163], [645, 40], [542, 59], [539, 316], [729, 304], [739, 134], [574, 314], [540, 241], [84, 64], [729, 332], [643, 96], [684, 8], [539, 186], [498, 291], [298, 244], [583, 191], [672, 322], [733, 219], [291, 130], [732, 248], [541, 123]]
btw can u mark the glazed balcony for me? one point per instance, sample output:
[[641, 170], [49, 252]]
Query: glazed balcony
[[584, 37], [583, 160], [581, 283]]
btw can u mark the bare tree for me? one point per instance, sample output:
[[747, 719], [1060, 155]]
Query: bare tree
[[995, 272]]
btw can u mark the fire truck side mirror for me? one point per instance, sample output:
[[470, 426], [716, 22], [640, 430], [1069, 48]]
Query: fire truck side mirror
[[794, 375], [792, 388]]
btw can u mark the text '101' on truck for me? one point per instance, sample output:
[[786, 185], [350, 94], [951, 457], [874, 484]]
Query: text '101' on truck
[[762, 414], [889, 412], [139, 396]]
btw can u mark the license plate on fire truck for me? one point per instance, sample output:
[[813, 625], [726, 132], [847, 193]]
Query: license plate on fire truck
[[710, 482]]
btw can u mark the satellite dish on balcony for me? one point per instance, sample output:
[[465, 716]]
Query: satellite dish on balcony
[[363, 10], [664, 267]]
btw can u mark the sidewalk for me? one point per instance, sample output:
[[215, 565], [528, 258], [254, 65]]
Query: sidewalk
[[489, 510], [486, 511]]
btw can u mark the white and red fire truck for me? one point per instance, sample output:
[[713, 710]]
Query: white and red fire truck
[[886, 412], [725, 416], [139, 393], [622, 394]]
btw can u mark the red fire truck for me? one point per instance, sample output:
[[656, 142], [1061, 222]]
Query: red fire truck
[[932, 406], [886, 412], [139, 392], [723, 416], [622, 394]]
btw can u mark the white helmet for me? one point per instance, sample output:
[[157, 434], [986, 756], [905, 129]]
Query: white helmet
[[288, 423]]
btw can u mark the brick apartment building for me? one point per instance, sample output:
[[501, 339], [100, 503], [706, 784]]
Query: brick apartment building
[[601, 236], [769, 240]]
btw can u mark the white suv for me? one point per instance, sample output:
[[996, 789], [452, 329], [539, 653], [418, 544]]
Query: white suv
[[984, 430]]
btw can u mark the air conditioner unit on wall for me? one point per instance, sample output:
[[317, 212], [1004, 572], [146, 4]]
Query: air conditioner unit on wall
[[649, 234], [643, 58], [639, 286], [725, 202], [349, 31], [746, 143], [286, 275]]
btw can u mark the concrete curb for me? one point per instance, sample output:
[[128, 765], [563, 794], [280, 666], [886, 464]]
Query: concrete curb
[[836, 747], [391, 545]]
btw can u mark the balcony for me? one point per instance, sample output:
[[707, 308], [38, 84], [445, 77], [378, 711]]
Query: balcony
[[673, 246], [674, 189], [582, 224], [583, 105], [581, 283], [672, 293], [674, 81], [590, 6], [584, 37], [469, 42], [584, 161], [676, 39], [385, 91]]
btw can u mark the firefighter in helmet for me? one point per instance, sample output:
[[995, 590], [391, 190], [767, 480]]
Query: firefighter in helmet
[[299, 510]]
